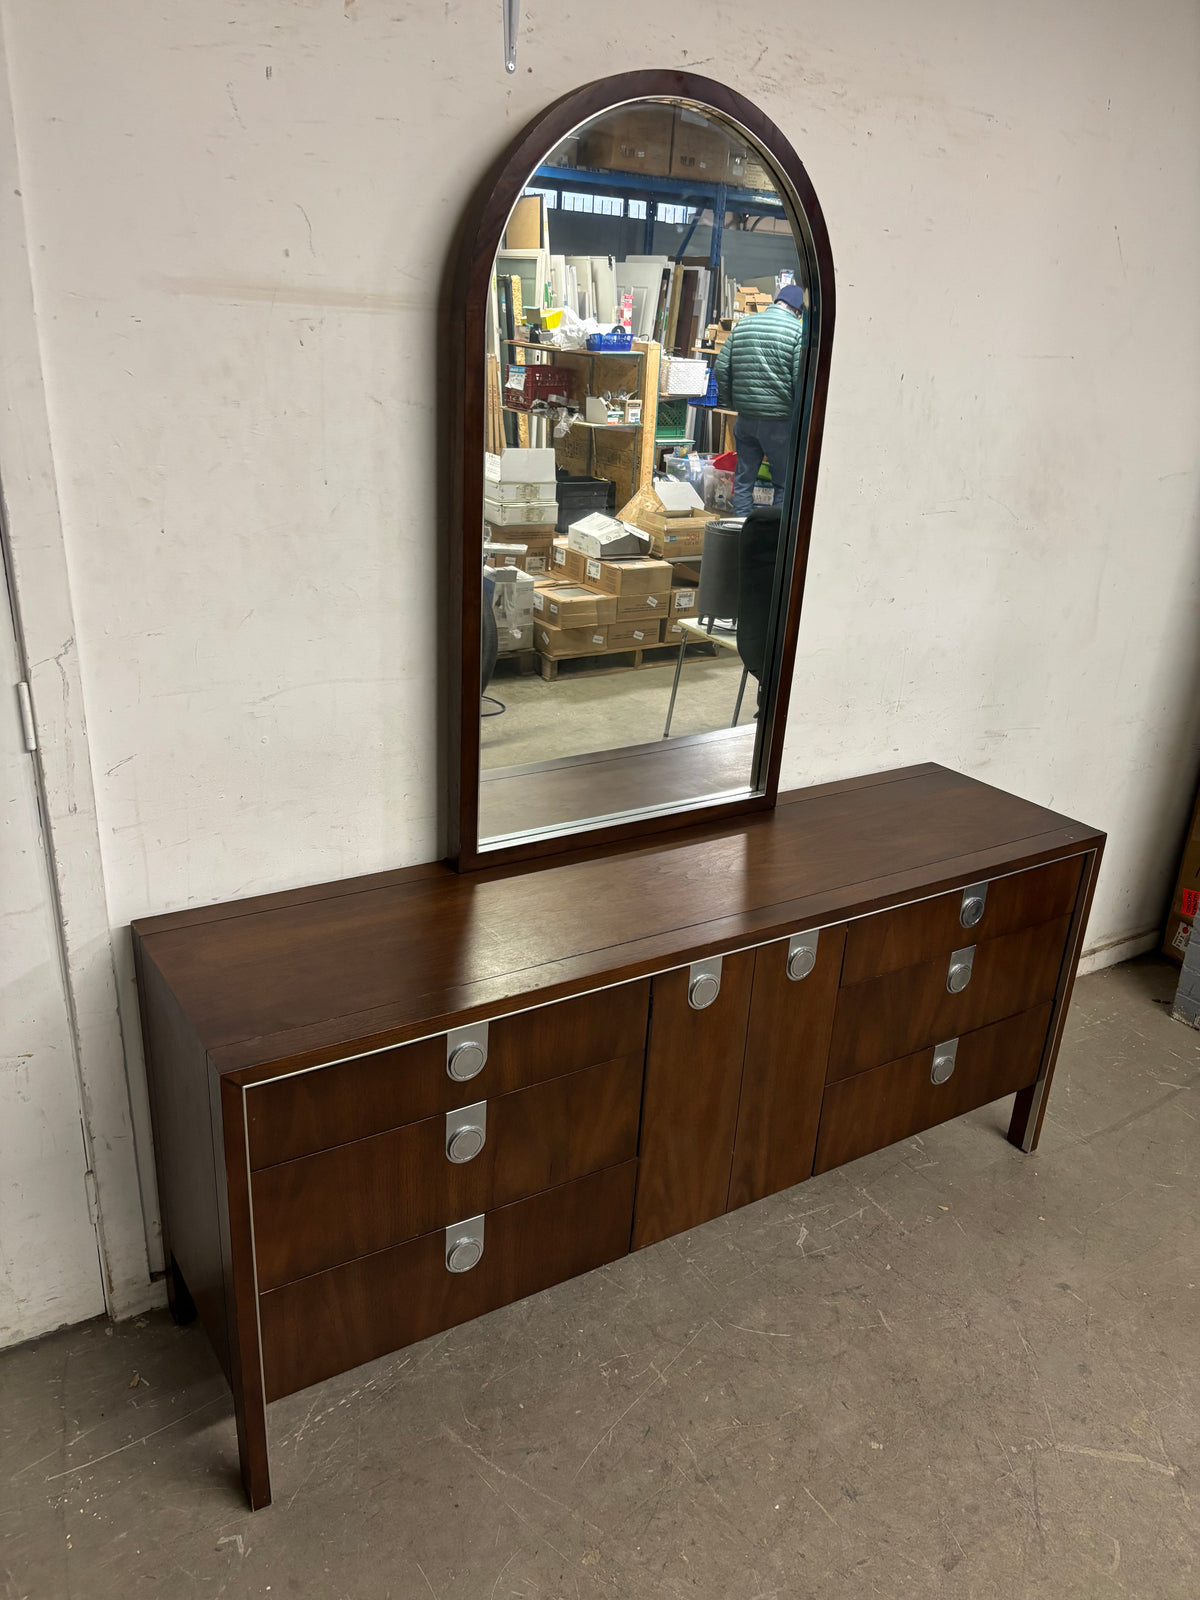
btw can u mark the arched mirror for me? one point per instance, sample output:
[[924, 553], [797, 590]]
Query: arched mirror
[[644, 305]]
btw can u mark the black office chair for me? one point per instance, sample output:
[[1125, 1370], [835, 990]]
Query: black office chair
[[758, 551]]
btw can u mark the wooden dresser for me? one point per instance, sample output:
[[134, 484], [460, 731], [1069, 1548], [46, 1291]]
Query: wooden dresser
[[385, 1106]]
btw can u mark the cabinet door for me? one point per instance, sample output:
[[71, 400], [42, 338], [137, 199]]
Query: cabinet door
[[690, 1106], [783, 1075]]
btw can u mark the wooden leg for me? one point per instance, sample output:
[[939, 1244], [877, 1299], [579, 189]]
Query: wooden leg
[[1029, 1111], [179, 1302], [245, 1359]]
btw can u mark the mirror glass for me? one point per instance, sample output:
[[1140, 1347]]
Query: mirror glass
[[649, 361]]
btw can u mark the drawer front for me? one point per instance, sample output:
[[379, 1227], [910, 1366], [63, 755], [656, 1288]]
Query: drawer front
[[321, 1210], [912, 934], [336, 1320], [892, 1102], [333, 1105], [904, 1011], [689, 1115], [783, 1075]]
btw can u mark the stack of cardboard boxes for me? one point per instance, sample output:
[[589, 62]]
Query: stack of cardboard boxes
[[672, 514], [520, 508], [606, 593]]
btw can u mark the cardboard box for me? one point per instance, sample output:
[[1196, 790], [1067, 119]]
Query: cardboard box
[[641, 607], [570, 605], [634, 635], [700, 148], [748, 300], [512, 514], [603, 537], [665, 498], [681, 602], [534, 559], [519, 466], [1185, 902], [631, 139], [681, 538], [644, 576], [672, 633], [512, 598], [558, 643], [566, 563], [511, 639]]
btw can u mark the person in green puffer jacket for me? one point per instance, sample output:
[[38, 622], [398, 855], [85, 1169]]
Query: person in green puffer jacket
[[758, 375]]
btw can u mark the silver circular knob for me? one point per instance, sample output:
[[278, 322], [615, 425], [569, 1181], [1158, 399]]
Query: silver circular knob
[[972, 911], [801, 962], [464, 1144], [943, 1067], [958, 977], [464, 1255], [466, 1062], [703, 990]]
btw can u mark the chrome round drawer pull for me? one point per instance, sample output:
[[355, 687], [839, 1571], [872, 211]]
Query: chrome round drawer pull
[[944, 1057], [802, 954], [466, 1052], [974, 900], [464, 1255], [961, 964], [466, 1132], [704, 983], [464, 1244]]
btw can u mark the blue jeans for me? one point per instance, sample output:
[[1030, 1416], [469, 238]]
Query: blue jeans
[[754, 438]]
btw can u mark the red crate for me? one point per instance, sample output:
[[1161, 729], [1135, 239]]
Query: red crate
[[525, 386]]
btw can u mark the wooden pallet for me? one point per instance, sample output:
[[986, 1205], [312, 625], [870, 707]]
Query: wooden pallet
[[516, 664], [654, 655]]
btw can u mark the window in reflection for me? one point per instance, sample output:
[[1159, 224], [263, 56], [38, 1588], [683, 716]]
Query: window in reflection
[[646, 362]]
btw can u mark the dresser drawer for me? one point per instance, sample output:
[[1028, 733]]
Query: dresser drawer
[[331, 1321], [893, 1102], [309, 1111], [914, 933], [904, 1011], [321, 1210]]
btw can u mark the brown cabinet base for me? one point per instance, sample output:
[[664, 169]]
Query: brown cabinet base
[[299, 1058]]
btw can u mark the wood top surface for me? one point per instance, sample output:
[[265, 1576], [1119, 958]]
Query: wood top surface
[[301, 975]]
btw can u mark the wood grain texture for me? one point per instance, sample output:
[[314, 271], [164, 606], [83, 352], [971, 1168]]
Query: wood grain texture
[[317, 1110], [327, 1323], [463, 387], [326, 1209], [310, 979], [892, 1102], [904, 1011], [783, 1075], [919, 932], [690, 1104]]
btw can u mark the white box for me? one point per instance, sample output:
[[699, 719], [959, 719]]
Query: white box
[[682, 376], [521, 513], [519, 466], [512, 597], [603, 538], [508, 493]]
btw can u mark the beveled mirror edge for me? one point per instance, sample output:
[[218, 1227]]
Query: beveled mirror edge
[[462, 398]]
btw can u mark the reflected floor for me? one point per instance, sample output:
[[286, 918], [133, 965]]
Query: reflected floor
[[574, 715]]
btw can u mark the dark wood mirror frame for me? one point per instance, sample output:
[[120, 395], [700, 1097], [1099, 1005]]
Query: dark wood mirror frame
[[474, 251]]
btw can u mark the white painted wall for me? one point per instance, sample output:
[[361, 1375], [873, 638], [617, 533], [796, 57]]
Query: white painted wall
[[238, 214]]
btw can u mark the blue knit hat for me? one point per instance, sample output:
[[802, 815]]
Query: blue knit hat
[[791, 295]]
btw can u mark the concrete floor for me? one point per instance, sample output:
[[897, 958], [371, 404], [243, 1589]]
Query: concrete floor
[[947, 1370], [607, 711]]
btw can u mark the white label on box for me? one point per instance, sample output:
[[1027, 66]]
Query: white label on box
[[593, 569], [652, 601], [638, 634], [560, 558], [686, 599], [535, 563], [597, 638], [1182, 934], [539, 601], [544, 636]]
